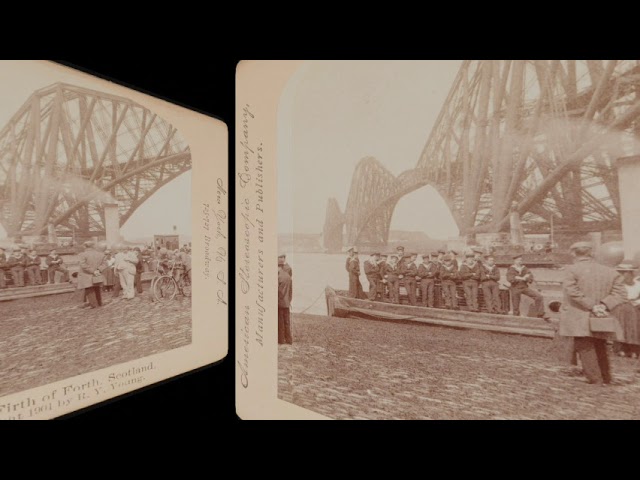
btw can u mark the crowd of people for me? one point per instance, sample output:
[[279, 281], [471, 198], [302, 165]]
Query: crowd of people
[[442, 272], [117, 269], [22, 267]]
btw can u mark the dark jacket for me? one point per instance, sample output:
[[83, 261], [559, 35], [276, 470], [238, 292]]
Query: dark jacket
[[33, 261], [371, 269], [512, 273], [4, 262], [52, 262], [409, 269], [392, 271], [467, 272], [486, 274], [284, 289], [354, 267], [428, 270], [20, 261], [448, 273]]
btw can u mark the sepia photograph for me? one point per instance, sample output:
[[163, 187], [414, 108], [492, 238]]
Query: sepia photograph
[[95, 232], [457, 240]]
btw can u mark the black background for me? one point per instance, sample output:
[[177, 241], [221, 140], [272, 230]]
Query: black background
[[208, 87]]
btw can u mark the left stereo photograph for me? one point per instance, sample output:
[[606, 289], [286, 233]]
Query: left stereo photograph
[[113, 240]]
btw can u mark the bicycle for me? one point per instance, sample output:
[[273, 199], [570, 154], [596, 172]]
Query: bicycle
[[165, 286]]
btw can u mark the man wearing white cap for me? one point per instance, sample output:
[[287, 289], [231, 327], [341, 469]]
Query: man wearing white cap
[[590, 290]]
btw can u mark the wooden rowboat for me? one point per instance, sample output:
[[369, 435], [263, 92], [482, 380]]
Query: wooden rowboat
[[339, 304]]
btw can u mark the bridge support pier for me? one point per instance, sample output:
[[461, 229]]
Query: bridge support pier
[[629, 179], [112, 223]]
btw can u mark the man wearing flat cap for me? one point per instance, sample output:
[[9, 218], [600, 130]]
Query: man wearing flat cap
[[520, 278], [372, 271], [590, 290]]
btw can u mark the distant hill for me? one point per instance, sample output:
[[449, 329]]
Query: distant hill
[[312, 242]]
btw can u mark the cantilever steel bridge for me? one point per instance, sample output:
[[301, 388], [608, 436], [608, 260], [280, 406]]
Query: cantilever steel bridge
[[535, 136], [70, 150]]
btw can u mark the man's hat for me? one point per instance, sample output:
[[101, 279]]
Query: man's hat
[[375, 253], [350, 249], [435, 254], [384, 255], [88, 244], [580, 245], [453, 251], [626, 266], [282, 255], [469, 255], [413, 254], [441, 252], [447, 257], [107, 251], [519, 255], [280, 261], [400, 248], [477, 250]]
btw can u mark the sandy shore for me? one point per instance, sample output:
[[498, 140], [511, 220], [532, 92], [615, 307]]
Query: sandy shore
[[363, 369]]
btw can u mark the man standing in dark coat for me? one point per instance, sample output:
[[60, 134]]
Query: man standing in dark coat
[[448, 274], [409, 273], [4, 268], [91, 266], [469, 273], [287, 268], [520, 278], [355, 287], [284, 305], [427, 271], [372, 271], [18, 264], [590, 290], [33, 268], [489, 278]]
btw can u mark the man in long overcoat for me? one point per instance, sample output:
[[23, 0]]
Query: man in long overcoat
[[92, 263], [590, 289]]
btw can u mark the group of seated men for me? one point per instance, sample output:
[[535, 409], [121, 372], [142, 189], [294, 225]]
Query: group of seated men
[[441, 271], [24, 267]]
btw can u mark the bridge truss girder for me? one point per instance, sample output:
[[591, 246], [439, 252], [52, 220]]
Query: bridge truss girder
[[537, 136], [69, 150]]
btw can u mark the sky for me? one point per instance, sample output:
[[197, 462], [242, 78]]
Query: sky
[[334, 113], [169, 206]]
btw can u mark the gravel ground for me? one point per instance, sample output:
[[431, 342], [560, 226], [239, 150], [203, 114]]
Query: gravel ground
[[47, 339], [363, 369]]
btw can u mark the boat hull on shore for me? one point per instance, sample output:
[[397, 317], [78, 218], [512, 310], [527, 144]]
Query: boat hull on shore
[[341, 305]]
